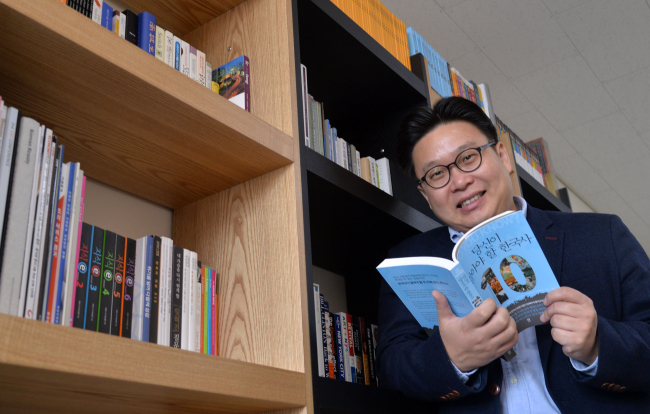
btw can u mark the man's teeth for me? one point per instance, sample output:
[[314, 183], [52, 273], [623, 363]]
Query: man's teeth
[[471, 200]]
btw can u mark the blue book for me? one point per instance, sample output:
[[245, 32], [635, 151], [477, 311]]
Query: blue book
[[147, 32], [177, 53], [499, 259], [107, 16], [339, 346], [64, 245], [146, 316]]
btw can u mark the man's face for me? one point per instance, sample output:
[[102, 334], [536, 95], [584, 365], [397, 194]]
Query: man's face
[[470, 197]]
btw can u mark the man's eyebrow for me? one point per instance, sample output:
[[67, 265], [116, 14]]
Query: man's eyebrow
[[457, 150]]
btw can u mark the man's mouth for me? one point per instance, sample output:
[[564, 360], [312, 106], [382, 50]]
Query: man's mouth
[[471, 200]]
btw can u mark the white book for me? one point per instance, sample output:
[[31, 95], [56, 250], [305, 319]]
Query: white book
[[97, 11], [40, 138], [383, 173], [344, 152], [328, 336], [6, 158], [487, 102], [57, 252], [319, 331], [200, 67], [162, 286], [178, 46], [169, 248], [208, 75], [71, 258], [193, 63], [185, 58], [169, 48], [187, 287], [116, 22], [3, 118], [195, 315], [139, 288], [35, 262], [305, 105], [358, 164], [123, 25], [18, 215], [160, 43], [373, 171]]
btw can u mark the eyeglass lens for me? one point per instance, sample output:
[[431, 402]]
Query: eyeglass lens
[[467, 161]]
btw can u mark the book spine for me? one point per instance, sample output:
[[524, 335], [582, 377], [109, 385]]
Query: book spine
[[155, 290], [185, 312], [146, 307], [353, 362], [305, 104], [192, 63], [185, 58], [56, 246], [69, 273], [332, 347], [82, 276], [373, 342], [324, 311], [177, 298], [339, 347], [106, 289], [371, 357], [346, 346], [200, 67], [131, 26], [215, 313], [177, 52], [129, 282], [364, 351], [328, 345], [75, 269], [146, 37], [107, 16], [247, 85], [358, 351], [138, 290], [208, 75], [118, 285], [206, 309], [169, 48], [160, 43], [195, 310], [202, 336], [318, 330], [94, 278], [97, 11]]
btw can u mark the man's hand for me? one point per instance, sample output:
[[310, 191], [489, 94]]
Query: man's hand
[[478, 338], [574, 323]]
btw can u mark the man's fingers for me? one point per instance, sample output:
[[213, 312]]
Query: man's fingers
[[565, 294], [480, 315], [442, 305]]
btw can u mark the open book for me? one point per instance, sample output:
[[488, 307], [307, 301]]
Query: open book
[[499, 259]]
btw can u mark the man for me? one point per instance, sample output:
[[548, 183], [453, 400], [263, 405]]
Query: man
[[592, 356]]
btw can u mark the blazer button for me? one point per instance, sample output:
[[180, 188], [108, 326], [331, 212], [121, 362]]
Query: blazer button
[[622, 389], [494, 389], [611, 386]]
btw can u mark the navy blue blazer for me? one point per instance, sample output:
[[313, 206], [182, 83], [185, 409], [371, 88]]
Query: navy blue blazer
[[592, 253]]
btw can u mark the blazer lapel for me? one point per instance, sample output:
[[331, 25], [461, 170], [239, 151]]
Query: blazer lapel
[[551, 240]]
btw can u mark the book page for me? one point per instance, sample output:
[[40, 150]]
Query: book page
[[504, 261], [414, 278]]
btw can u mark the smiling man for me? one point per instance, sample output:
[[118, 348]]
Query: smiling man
[[592, 356]]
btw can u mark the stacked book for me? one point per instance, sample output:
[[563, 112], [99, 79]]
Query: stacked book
[[142, 30], [322, 137], [56, 268], [345, 344], [380, 23], [524, 156]]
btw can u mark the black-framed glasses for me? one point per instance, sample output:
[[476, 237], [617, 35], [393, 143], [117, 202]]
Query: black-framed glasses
[[467, 161]]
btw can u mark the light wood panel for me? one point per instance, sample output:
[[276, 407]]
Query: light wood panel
[[132, 121], [44, 366], [248, 233], [261, 30], [182, 16], [516, 187]]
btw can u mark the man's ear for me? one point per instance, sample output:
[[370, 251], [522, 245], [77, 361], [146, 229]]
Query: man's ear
[[502, 151], [424, 194]]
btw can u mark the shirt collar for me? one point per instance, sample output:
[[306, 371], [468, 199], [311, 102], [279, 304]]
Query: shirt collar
[[520, 203]]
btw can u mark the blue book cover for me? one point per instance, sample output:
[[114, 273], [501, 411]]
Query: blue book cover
[[147, 32], [146, 316], [177, 53], [499, 259], [107, 16], [339, 346], [64, 245]]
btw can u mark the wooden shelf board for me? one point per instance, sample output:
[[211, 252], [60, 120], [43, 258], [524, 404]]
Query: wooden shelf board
[[146, 128], [182, 16], [44, 366]]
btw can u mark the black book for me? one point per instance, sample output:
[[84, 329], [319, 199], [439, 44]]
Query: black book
[[82, 276], [129, 279], [131, 27], [155, 291], [49, 222], [118, 285], [94, 279], [371, 356], [358, 350], [88, 8], [106, 288], [177, 298], [335, 356]]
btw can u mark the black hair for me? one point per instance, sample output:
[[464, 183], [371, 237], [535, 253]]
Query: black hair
[[423, 120]]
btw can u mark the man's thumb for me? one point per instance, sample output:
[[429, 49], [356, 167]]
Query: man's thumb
[[444, 310]]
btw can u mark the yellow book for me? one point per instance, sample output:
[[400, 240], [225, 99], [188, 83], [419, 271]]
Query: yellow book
[[215, 87]]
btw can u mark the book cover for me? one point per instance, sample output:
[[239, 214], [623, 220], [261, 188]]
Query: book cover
[[146, 37], [107, 16], [118, 285], [233, 80], [160, 43], [106, 287], [499, 259], [83, 268], [131, 26], [155, 290], [129, 282], [177, 298], [94, 278]]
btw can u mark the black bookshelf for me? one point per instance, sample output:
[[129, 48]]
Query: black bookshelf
[[537, 195]]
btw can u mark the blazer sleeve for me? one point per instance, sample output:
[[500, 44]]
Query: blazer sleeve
[[624, 339]]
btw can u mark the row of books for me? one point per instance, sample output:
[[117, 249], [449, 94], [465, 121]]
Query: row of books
[[445, 79], [323, 138], [345, 344], [231, 80], [524, 156], [58, 269], [381, 24]]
